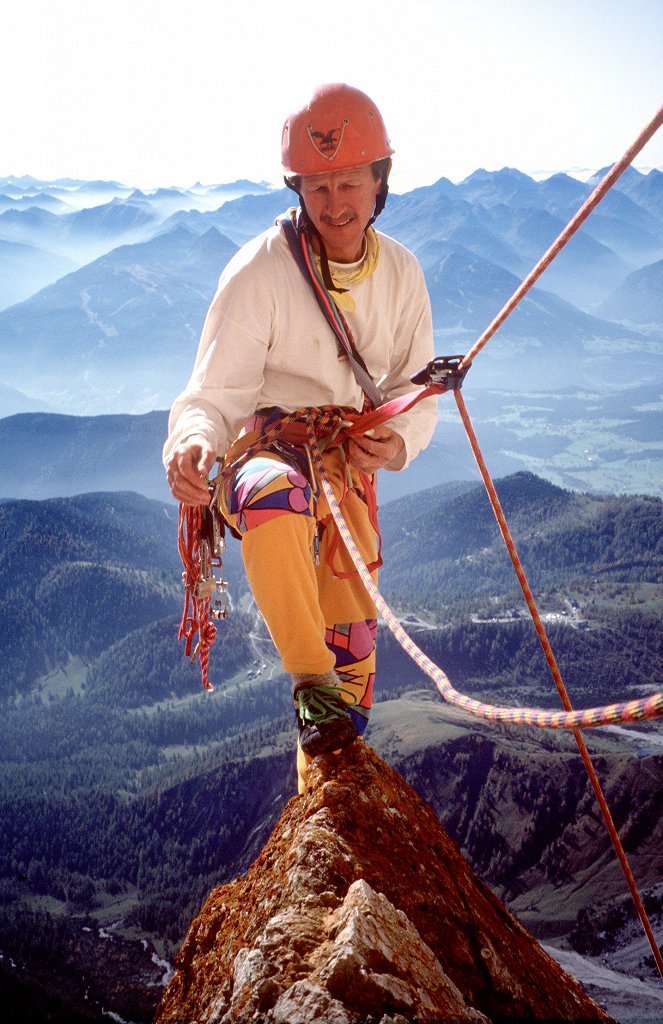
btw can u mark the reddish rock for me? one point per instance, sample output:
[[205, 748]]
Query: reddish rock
[[361, 908]]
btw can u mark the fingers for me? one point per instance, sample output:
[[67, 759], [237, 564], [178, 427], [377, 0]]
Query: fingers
[[375, 449], [187, 470]]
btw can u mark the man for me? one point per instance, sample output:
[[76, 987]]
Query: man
[[267, 350]]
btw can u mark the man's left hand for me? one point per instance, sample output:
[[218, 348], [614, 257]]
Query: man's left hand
[[375, 449]]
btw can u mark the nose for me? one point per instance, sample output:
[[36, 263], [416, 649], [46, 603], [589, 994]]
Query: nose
[[335, 203]]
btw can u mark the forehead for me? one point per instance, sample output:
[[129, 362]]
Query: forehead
[[354, 174]]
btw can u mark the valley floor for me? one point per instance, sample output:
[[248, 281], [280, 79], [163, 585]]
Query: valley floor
[[627, 998]]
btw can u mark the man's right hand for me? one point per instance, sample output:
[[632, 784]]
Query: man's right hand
[[187, 469]]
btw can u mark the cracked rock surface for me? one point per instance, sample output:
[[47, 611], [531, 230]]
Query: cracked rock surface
[[361, 909]]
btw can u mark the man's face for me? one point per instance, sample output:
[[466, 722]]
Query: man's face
[[340, 204]]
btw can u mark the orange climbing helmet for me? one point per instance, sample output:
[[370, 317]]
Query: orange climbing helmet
[[339, 128]]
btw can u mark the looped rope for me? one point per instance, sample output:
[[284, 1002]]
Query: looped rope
[[630, 711], [651, 707], [196, 613]]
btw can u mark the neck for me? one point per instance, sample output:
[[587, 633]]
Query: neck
[[315, 245]]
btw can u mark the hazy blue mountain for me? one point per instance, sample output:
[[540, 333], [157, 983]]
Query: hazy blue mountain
[[511, 220], [24, 270], [617, 221], [41, 200], [242, 218], [14, 401], [586, 440], [507, 186], [92, 218], [645, 190], [627, 228], [22, 182], [467, 292], [81, 235], [44, 455], [431, 214], [26, 182], [583, 272], [97, 337], [91, 339], [119, 334], [562, 195], [539, 343], [639, 299], [235, 189], [112, 220], [31, 226]]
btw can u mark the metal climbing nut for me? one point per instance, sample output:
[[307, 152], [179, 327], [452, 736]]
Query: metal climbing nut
[[204, 588], [204, 560], [219, 605], [218, 533]]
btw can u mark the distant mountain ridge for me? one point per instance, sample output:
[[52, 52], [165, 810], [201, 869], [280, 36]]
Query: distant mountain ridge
[[110, 348], [47, 456], [475, 241]]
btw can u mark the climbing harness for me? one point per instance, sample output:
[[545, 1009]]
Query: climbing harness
[[441, 375]]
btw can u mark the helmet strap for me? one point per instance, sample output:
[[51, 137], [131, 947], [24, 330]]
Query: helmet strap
[[308, 227], [380, 200]]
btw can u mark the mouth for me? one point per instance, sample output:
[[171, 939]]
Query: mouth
[[337, 223]]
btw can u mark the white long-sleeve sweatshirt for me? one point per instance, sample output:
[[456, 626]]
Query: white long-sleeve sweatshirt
[[265, 343]]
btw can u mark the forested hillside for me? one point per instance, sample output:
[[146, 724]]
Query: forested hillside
[[126, 792]]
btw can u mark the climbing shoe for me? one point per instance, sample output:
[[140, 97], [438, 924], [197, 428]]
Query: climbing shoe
[[324, 721]]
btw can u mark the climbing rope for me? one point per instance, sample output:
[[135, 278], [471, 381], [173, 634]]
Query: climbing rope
[[583, 213], [630, 711], [559, 682], [651, 707], [338, 427]]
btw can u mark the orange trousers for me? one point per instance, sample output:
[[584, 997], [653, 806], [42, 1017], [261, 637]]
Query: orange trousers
[[315, 606]]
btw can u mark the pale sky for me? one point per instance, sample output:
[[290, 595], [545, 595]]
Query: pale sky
[[168, 92]]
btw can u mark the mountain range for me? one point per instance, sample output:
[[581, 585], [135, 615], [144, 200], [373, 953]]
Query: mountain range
[[117, 283], [604, 443], [148, 264], [127, 792]]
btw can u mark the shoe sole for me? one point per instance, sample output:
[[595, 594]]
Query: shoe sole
[[315, 743]]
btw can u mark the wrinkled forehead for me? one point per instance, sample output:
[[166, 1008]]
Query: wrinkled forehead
[[352, 174]]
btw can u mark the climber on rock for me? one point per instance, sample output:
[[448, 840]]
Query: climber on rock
[[268, 350]]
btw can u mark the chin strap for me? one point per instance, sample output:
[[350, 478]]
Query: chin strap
[[380, 200]]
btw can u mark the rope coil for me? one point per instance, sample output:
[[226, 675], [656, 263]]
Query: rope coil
[[650, 707], [585, 718]]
